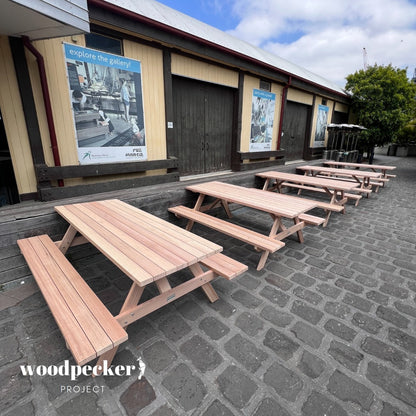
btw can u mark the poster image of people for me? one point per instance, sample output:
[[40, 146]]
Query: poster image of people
[[262, 119], [321, 123], [107, 105]]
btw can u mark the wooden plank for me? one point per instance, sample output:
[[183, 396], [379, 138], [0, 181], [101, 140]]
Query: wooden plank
[[224, 266], [48, 173], [126, 265], [197, 244], [105, 319], [77, 341], [233, 230], [176, 255], [133, 314]]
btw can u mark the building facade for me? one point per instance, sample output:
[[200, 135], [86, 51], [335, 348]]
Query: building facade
[[147, 95]]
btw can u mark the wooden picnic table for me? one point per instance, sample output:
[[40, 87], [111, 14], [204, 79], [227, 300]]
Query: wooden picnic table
[[362, 177], [146, 248], [375, 168], [277, 205], [335, 189]]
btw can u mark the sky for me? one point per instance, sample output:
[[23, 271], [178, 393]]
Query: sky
[[332, 38]]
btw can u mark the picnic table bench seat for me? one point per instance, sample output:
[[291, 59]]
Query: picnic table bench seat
[[233, 230], [330, 207], [86, 324], [224, 266]]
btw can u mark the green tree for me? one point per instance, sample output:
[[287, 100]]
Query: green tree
[[383, 100]]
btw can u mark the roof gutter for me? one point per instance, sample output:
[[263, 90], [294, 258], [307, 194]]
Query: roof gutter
[[143, 19], [47, 102]]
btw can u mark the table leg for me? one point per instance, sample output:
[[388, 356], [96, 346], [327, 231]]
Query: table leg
[[131, 301], [67, 239], [197, 207], [209, 291], [278, 225]]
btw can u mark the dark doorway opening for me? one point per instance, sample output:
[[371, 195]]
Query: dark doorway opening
[[203, 123], [8, 188]]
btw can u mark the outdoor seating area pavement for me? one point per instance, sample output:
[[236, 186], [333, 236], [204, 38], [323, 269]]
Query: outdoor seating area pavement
[[327, 327]]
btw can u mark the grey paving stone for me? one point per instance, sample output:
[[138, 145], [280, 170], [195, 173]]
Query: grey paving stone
[[51, 349], [348, 390], [174, 327], [82, 404], [402, 339], [13, 386], [345, 355], [337, 309], [275, 296], [269, 407], [203, 355], [26, 409], [248, 281], [249, 323], [308, 295], [282, 345], [329, 290], [308, 334], [303, 279], [279, 269], [158, 356], [245, 352], [279, 282], [404, 308], [369, 324], [214, 328], [385, 352], [357, 302], [311, 365], [320, 263], [186, 388], [349, 285], [246, 299], [217, 409], [377, 297], [392, 382], [389, 410], [137, 397], [236, 386], [123, 357], [141, 331], [190, 310], [164, 411], [10, 350], [306, 312], [286, 382], [340, 330], [392, 316], [223, 308], [367, 280], [276, 317]]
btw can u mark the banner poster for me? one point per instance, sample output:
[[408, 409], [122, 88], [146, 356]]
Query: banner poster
[[107, 106], [321, 123], [262, 118]]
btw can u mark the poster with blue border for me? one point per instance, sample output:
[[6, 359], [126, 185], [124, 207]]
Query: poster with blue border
[[262, 120], [321, 123], [107, 105]]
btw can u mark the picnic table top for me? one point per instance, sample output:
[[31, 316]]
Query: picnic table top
[[359, 165], [142, 245], [310, 180], [277, 204], [341, 172]]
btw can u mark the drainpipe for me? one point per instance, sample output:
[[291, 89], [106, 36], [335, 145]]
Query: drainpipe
[[46, 101], [282, 110]]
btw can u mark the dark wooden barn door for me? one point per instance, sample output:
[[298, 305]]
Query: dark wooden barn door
[[203, 125], [295, 128]]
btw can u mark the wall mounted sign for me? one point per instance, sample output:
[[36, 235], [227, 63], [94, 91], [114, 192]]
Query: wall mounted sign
[[107, 105], [321, 123], [262, 119]]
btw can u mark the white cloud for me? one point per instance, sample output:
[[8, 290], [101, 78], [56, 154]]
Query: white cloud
[[332, 33]]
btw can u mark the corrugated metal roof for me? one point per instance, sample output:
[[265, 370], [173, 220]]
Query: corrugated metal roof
[[167, 16]]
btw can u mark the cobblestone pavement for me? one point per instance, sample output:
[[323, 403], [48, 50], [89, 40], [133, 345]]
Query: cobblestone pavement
[[327, 328]]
